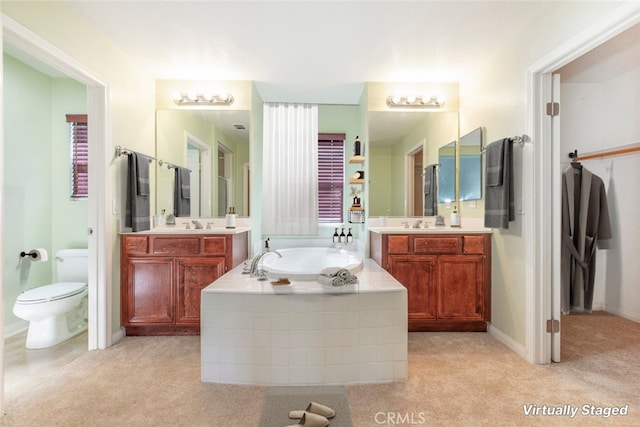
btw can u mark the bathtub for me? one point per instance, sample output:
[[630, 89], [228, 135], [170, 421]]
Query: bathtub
[[306, 263], [254, 333]]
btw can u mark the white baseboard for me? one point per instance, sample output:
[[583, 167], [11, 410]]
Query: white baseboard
[[505, 339], [15, 328], [634, 317], [117, 335]]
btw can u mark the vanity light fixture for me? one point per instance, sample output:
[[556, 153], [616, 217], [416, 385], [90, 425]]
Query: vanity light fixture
[[203, 99], [415, 101]]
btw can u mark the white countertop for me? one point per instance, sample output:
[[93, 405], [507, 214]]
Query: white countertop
[[431, 230], [371, 279], [181, 230]]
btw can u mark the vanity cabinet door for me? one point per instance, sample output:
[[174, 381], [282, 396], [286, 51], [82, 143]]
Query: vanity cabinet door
[[418, 274], [193, 275], [461, 287], [149, 291]]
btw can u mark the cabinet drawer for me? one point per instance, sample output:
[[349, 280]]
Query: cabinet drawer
[[398, 244], [136, 244], [176, 245], [437, 245], [215, 245], [473, 244]]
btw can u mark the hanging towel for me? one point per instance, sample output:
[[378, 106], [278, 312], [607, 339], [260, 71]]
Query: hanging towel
[[499, 208], [495, 164], [430, 191], [182, 192], [138, 210], [142, 165]]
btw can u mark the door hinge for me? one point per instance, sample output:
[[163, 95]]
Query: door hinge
[[553, 326], [553, 108]]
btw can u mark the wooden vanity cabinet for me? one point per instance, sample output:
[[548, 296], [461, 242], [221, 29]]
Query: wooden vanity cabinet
[[162, 276], [447, 276]]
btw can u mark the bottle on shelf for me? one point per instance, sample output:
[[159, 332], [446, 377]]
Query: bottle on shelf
[[336, 237], [349, 237], [343, 237]]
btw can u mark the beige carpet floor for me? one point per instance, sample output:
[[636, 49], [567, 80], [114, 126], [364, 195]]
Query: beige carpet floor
[[455, 379]]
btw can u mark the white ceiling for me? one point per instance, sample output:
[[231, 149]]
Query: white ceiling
[[323, 52], [304, 51]]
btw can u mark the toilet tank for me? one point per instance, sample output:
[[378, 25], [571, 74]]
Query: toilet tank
[[72, 265]]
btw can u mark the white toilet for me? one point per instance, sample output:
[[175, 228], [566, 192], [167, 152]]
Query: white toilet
[[58, 311]]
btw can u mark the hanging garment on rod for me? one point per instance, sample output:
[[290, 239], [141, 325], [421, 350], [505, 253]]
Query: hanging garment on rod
[[585, 227]]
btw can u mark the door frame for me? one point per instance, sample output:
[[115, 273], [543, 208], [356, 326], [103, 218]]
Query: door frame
[[99, 212], [543, 222], [204, 172], [409, 166]]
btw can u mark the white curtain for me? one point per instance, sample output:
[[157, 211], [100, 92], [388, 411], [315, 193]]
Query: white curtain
[[290, 169]]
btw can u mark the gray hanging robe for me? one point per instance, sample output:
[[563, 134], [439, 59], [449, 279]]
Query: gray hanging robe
[[585, 226]]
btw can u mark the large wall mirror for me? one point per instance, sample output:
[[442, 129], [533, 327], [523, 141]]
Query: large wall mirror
[[214, 146], [401, 145]]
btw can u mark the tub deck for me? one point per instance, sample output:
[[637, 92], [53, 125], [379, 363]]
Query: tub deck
[[305, 333]]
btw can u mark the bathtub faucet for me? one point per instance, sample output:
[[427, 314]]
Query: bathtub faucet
[[254, 271]]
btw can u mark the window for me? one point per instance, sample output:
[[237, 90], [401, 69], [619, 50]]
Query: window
[[79, 155], [330, 178]]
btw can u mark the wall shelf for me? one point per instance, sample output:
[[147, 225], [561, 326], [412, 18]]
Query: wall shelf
[[356, 181], [356, 159]]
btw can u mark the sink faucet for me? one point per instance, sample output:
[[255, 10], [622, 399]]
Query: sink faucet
[[405, 223], [417, 223], [197, 224], [254, 271]]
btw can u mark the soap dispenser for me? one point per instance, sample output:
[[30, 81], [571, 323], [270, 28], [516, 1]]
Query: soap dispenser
[[230, 218], [455, 218]]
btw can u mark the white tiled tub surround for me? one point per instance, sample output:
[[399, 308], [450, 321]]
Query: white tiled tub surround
[[251, 334]]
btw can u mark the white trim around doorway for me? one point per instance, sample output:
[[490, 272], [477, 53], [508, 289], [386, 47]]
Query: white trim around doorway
[[99, 231], [544, 219]]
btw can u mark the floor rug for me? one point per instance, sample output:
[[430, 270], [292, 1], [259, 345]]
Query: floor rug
[[279, 401]]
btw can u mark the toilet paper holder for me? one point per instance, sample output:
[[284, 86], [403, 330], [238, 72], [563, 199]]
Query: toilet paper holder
[[31, 254], [36, 255]]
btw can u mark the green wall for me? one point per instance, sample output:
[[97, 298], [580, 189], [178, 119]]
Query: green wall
[[38, 212]]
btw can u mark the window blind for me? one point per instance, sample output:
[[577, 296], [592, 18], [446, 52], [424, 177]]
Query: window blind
[[331, 178], [79, 155]]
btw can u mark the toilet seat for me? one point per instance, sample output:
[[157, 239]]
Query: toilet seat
[[53, 292]]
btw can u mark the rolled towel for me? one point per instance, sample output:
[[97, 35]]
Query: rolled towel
[[343, 273], [351, 280], [326, 281], [338, 281], [331, 281], [330, 271]]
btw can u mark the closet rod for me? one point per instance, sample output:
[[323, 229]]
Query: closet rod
[[616, 152]]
